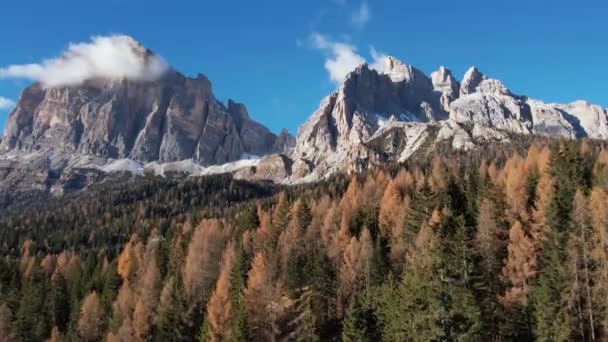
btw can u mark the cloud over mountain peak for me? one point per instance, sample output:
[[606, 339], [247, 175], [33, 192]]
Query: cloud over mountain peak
[[110, 57]]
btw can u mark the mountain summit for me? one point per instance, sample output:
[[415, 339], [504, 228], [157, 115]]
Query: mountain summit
[[395, 110], [169, 119], [155, 114]]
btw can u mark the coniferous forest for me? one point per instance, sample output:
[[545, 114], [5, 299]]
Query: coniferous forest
[[504, 243]]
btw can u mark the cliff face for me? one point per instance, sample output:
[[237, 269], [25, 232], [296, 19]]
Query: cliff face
[[170, 119]]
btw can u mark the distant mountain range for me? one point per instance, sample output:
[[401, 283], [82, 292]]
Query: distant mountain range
[[64, 138]]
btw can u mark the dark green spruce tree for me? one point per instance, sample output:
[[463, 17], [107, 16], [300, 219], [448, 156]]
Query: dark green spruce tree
[[551, 309]]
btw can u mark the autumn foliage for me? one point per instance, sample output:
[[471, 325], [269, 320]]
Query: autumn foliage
[[502, 244]]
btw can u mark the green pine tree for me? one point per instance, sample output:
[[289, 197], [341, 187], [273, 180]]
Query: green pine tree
[[460, 280], [552, 319], [32, 319], [173, 323], [60, 303], [237, 284], [411, 310], [360, 322], [550, 311]]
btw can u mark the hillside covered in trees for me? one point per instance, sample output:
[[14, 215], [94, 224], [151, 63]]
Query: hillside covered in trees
[[499, 244]]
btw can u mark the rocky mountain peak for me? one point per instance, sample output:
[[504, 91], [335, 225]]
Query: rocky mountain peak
[[135, 45], [139, 56], [493, 86], [472, 78], [475, 81], [394, 111], [285, 142], [399, 71], [166, 119], [445, 82], [238, 111]]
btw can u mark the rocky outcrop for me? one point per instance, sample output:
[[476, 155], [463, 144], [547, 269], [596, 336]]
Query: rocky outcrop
[[445, 83], [274, 167], [284, 143], [590, 118], [472, 78]]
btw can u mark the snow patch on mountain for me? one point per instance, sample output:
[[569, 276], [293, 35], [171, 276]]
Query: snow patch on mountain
[[191, 168], [123, 165]]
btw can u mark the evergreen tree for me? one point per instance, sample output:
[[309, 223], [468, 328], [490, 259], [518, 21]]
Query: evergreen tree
[[553, 321], [237, 299], [598, 205], [259, 301], [411, 310], [172, 320], [460, 280], [218, 320], [110, 288], [420, 211], [31, 320], [578, 269], [491, 246], [280, 220], [60, 303], [360, 322], [302, 214], [550, 310]]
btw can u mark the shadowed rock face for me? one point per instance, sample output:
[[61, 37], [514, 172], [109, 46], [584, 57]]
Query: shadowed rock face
[[171, 119]]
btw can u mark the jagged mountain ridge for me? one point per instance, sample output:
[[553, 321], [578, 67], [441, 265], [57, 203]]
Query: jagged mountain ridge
[[400, 110], [170, 119], [72, 134]]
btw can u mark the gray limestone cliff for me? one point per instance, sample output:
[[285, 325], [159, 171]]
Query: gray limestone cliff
[[398, 111]]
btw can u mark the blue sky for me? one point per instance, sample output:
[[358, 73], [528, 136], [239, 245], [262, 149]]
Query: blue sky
[[262, 53]]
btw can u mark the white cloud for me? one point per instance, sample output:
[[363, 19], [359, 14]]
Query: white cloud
[[342, 58], [361, 16], [104, 57], [379, 60], [6, 103]]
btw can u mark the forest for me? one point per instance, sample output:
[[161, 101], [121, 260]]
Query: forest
[[505, 243]]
